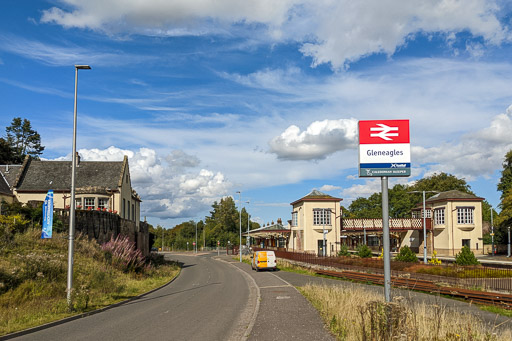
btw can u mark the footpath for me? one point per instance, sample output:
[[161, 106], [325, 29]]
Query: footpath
[[285, 314]]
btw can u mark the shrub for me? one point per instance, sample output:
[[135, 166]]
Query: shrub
[[344, 251], [122, 254], [406, 255], [364, 251], [434, 259], [466, 257]]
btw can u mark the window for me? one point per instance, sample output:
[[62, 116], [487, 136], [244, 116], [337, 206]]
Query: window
[[133, 212], [103, 203], [439, 216], [429, 213], [78, 203], [295, 217], [128, 212], [124, 207], [88, 203], [465, 215], [416, 214], [466, 242], [321, 216]]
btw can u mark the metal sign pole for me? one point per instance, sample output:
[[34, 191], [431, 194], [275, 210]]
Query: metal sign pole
[[385, 237]]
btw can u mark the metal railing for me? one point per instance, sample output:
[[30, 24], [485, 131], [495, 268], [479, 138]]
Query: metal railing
[[473, 277]]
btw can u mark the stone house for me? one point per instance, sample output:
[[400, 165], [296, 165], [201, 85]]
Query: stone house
[[100, 186]]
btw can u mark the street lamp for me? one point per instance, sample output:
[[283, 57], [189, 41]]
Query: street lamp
[[248, 241], [72, 205], [424, 224], [196, 236], [492, 233], [508, 246], [240, 209]]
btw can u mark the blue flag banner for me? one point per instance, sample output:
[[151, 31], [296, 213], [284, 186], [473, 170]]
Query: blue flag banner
[[47, 216]]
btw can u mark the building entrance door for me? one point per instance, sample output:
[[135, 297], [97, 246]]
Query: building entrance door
[[320, 247]]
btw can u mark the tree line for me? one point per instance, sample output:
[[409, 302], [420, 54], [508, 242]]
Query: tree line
[[220, 226]]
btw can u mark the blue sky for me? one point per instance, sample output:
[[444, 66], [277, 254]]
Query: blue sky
[[212, 97]]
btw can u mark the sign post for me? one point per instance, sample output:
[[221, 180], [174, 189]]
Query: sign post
[[384, 151]]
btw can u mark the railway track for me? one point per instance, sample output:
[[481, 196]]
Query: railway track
[[480, 297]]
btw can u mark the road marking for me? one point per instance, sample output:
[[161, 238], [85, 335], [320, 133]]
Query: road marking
[[282, 297], [275, 286]]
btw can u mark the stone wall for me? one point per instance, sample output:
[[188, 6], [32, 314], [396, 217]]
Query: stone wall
[[104, 225]]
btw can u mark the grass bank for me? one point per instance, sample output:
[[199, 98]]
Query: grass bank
[[358, 314], [33, 276]]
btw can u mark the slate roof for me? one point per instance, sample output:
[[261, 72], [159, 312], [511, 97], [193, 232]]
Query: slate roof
[[4, 187], [56, 175], [10, 173], [453, 195], [316, 195]]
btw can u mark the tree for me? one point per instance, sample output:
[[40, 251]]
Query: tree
[[6, 152], [505, 182], [441, 182], [23, 140], [401, 201], [504, 219]]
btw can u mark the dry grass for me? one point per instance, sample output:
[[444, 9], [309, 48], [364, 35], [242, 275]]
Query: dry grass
[[33, 276], [357, 314]]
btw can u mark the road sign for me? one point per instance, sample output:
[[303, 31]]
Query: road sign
[[194, 243], [384, 148]]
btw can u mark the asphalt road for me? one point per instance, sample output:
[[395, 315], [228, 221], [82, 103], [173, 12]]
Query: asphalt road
[[210, 300]]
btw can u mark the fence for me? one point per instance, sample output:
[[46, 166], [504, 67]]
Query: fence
[[485, 278]]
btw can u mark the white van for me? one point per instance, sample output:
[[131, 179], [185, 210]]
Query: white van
[[264, 260]]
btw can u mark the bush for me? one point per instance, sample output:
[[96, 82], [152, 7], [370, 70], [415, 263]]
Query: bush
[[466, 257], [406, 255], [122, 254], [364, 251], [344, 251]]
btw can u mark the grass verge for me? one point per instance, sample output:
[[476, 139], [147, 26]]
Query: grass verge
[[358, 314], [33, 276]]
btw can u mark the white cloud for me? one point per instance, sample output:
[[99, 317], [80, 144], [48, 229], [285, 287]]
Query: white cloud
[[320, 139], [335, 32], [55, 55], [478, 153], [328, 188], [170, 186]]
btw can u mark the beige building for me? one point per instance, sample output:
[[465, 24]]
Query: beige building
[[455, 219], [313, 216], [104, 186]]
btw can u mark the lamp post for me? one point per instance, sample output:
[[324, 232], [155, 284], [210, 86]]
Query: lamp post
[[240, 209], [196, 237], [248, 241], [72, 205], [492, 234], [424, 223], [508, 246]]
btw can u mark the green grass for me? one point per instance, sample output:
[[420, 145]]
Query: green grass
[[33, 275]]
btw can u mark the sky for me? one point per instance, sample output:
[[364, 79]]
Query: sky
[[211, 97]]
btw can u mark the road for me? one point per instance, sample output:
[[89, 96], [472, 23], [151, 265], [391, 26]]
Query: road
[[210, 300]]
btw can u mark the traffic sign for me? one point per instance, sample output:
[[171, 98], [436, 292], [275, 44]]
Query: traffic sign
[[384, 148]]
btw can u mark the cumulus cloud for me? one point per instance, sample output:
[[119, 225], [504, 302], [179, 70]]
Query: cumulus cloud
[[478, 153], [170, 186], [319, 140], [335, 32], [328, 188]]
